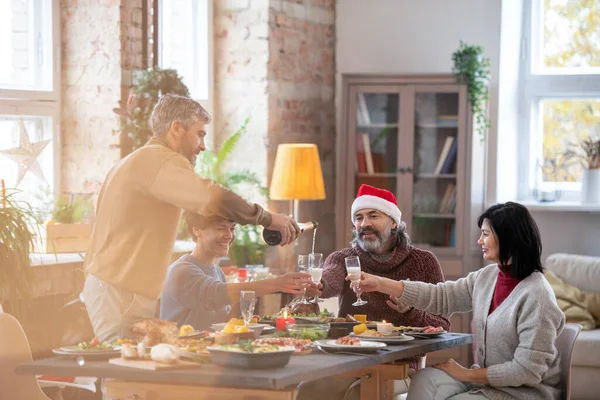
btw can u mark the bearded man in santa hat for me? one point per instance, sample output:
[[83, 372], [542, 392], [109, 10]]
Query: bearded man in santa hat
[[383, 247]]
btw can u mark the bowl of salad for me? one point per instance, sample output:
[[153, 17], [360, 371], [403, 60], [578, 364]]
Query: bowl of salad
[[315, 331]]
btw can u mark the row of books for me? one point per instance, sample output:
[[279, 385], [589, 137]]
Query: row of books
[[447, 159], [448, 203]]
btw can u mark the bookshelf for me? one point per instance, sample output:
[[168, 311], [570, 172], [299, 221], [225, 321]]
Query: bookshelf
[[413, 135]]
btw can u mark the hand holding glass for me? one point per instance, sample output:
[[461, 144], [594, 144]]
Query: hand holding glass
[[353, 270]]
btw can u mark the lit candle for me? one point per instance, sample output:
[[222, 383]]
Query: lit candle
[[385, 328], [280, 322]]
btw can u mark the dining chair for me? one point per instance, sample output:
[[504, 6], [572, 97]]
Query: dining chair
[[15, 350], [565, 343]]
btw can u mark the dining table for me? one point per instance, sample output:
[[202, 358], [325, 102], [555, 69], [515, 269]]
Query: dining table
[[377, 371]]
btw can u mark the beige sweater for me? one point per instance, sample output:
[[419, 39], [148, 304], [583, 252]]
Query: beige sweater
[[138, 213]]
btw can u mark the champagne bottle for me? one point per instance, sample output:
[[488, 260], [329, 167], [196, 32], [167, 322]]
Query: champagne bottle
[[273, 238]]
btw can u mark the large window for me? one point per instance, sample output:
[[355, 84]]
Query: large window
[[29, 97], [561, 90], [185, 32]]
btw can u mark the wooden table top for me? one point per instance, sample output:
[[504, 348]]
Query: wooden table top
[[301, 367]]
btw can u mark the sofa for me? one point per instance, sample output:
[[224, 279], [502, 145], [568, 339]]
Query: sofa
[[582, 272]]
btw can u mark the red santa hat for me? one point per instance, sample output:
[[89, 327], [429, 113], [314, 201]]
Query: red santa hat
[[378, 199]]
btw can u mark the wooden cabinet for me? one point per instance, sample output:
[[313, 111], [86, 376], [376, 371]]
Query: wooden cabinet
[[413, 135]]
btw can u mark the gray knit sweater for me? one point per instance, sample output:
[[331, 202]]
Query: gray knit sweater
[[515, 342]]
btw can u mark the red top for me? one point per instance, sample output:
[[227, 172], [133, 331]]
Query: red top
[[504, 286]]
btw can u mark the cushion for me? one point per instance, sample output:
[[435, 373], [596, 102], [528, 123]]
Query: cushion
[[587, 349], [580, 271]]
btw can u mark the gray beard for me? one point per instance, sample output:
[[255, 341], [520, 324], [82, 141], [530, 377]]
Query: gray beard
[[376, 244]]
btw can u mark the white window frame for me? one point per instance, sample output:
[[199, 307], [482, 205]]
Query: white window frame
[[42, 102], [537, 84]]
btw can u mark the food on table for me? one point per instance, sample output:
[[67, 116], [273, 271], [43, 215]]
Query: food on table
[[361, 318], [371, 333], [163, 353], [298, 308], [197, 346], [255, 319], [186, 330], [242, 329], [95, 345], [155, 331], [121, 341], [128, 351], [433, 329], [359, 329], [236, 322], [305, 331], [348, 341], [249, 347], [301, 346], [413, 329]]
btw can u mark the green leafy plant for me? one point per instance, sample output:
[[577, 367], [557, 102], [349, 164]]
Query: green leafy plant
[[17, 237], [248, 246], [135, 113], [586, 152], [473, 69], [71, 211]]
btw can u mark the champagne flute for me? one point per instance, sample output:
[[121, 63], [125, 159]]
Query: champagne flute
[[247, 303], [353, 270], [315, 263], [303, 267]]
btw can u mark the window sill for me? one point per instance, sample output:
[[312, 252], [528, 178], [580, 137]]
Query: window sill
[[43, 259], [573, 206]]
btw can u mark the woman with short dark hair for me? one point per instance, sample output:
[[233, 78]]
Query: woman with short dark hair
[[515, 316]]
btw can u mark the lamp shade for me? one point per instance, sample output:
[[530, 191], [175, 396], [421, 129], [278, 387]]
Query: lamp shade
[[297, 173]]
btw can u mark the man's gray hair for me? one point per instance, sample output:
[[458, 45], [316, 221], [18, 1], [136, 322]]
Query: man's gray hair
[[172, 107]]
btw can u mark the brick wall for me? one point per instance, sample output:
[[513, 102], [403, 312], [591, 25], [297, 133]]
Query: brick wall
[[275, 63], [301, 82], [101, 48]]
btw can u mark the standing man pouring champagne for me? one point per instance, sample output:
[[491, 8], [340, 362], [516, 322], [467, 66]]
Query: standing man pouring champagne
[[138, 214]]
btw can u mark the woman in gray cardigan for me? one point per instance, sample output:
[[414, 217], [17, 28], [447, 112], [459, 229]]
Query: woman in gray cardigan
[[515, 316]]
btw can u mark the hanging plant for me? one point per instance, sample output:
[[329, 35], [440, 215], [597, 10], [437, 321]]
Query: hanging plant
[[473, 69], [135, 114]]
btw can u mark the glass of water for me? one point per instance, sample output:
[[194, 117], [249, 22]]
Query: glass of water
[[315, 264], [353, 270], [247, 304]]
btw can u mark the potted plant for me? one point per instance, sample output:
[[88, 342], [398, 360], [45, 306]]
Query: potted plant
[[69, 230], [586, 153], [135, 114], [16, 243], [248, 246], [473, 69]]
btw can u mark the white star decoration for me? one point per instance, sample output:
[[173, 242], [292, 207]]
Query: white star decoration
[[26, 155]]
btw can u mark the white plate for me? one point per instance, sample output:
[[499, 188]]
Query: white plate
[[423, 334], [76, 349], [363, 347], [89, 354], [282, 349], [392, 339]]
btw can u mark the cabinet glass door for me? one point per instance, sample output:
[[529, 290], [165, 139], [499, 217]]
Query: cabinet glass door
[[376, 139], [435, 187]]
